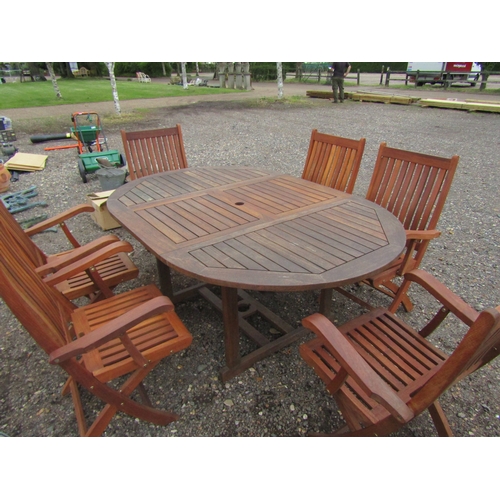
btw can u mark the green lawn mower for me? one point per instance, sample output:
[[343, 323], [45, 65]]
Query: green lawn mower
[[92, 144]]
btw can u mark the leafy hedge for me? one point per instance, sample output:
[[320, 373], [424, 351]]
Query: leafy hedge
[[154, 69], [266, 71]]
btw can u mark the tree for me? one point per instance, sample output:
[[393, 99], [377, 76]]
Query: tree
[[65, 70], [279, 71], [54, 80], [184, 77], [298, 70], [111, 70]]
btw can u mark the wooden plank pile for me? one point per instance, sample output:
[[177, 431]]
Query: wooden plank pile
[[320, 94], [365, 96], [467, 105], [385, 98]]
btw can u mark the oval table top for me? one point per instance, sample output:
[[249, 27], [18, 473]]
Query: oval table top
[[253, 229]]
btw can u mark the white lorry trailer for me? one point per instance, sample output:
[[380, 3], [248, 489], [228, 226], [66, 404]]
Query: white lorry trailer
[[443, 72]]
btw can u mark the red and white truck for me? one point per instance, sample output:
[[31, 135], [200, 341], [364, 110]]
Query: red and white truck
[[441, 72]]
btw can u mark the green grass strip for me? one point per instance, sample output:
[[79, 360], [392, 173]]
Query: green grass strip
[[86, 90]]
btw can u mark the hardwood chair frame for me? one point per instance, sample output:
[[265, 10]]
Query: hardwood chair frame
[[333, 161], [92, 270], [414, 187], [153, 151], [382, 373], [129, 333]]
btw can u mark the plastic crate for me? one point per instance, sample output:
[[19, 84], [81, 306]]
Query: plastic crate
[[90, 159]]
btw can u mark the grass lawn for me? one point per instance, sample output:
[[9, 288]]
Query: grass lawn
[[35, 94]]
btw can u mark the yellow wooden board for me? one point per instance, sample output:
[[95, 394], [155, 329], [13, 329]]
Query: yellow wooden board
[[26, 161], [495, 103], [481, 106], [466, 105], [442, 103], [386, 98]]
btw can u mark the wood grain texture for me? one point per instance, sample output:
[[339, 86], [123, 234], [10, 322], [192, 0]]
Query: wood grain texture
[[251, 229]]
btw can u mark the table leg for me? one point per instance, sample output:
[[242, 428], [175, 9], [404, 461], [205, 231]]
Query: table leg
[[165, 279], [166, 287], [325, 301], [231, 325]]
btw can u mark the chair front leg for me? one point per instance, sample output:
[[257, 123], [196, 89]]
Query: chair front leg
[[440, 421]]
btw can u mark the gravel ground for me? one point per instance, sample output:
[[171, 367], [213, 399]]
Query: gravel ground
[[279, 396]]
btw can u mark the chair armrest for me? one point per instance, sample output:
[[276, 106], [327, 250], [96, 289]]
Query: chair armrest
[[353, 363], [64, 259], [428, 234], [111, 330], [57, 219], [62, 273], [443, 294], [416, 239]]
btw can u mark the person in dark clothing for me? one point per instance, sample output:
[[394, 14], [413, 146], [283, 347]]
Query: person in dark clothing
[[340, 71]]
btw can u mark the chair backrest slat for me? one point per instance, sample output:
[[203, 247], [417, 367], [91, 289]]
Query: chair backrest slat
[[333, 161], [26, 245], [43, 311], [413, 186], [152, 151]]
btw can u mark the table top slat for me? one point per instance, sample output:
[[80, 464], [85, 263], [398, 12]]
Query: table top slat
[[246, 228], [245, 246]]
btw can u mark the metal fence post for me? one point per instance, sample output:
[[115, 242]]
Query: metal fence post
[[387, 76]]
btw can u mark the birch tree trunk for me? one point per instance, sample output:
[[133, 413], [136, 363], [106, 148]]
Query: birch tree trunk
[[184, 77], [111, 70], [280, 80], [54, 80], [197, 70]]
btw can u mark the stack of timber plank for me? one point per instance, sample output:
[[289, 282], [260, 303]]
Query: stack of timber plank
[[320, 94], [365, 96], [467, 105], [385, 98]]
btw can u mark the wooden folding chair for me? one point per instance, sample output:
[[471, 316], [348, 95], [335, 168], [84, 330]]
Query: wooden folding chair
[[129, 333], [382, 373], [91, 270], [333, 161], [414, 187], [153, 151]]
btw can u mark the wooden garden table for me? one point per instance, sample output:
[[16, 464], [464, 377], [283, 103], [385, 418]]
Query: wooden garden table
[[247, 229]]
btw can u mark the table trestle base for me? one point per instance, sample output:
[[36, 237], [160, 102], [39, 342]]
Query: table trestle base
[[247, 306]]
